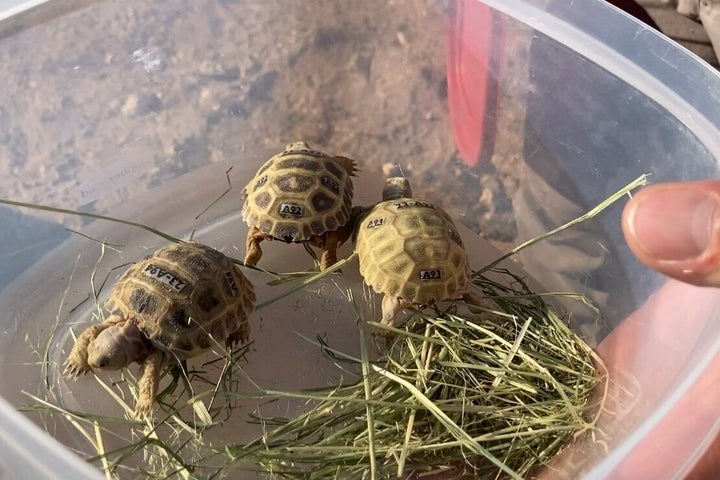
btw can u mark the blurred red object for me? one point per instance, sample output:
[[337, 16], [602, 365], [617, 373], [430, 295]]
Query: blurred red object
[[476, 37], [646, 345], [474, 54]]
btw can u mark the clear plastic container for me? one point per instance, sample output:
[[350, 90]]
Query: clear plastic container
[[138, 109]]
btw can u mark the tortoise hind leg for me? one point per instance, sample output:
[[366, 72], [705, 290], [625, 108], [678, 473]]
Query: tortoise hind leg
[[348, 164], [239, 336], [253, 252], [330, 242], [329, 247]]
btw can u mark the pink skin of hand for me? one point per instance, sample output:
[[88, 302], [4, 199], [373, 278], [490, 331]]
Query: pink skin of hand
[[674, 228]]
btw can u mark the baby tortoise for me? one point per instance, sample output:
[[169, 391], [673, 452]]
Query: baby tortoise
[[300, 195], [173, 305], [410, 251]]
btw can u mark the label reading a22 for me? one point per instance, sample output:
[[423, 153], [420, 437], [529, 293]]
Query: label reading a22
[[375, 222], [291, 209], [165, 277], [431, 274], [331, 184]]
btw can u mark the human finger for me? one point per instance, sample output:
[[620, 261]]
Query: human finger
[[674, 228]]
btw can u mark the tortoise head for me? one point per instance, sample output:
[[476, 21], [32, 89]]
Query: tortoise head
[[117, 346], [297, 146], [395, 188]]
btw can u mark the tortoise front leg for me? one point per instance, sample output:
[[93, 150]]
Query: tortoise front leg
[[391, 306], [253, 252], [76, 363], [148, 384]]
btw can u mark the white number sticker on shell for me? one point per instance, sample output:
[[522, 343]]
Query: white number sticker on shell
[[375, 222], [291, 209], [331, 184], [261, 181], [231, 283], [454, 236], [431, 274], [412, 203], [165, 277]]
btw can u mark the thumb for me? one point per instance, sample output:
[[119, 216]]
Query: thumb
[[674, 228]]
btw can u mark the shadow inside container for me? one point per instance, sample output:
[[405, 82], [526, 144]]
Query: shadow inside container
[[24, 239]]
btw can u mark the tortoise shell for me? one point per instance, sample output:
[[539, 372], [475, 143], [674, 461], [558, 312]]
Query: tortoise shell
[[299, 193], [185, 298], [410, 249]]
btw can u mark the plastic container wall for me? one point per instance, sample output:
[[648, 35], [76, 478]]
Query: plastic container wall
[[609, 99], [145, 106]]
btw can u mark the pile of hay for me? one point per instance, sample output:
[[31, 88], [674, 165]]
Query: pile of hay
[[478, 395]]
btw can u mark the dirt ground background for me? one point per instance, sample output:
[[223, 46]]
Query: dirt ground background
[[123, 93], [101, 99]]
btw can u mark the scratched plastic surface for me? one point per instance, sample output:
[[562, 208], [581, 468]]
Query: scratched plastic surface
[[280, 358], [140, 175]]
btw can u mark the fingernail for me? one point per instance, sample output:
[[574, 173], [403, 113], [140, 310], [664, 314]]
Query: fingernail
[[674, 224]]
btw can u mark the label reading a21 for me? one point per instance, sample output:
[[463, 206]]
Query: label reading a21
[[375, 222]]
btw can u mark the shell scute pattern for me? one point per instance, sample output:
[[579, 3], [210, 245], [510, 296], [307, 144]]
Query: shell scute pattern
[[263, 200], [180, 319], [171, 306], [143, 301], [322, 202], [293, 183], [299, 193], [334, 169], [300, 162], [409, 249]]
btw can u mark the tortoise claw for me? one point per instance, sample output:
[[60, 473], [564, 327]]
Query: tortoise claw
[[239, 336], [73, 370], [144, 409]]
